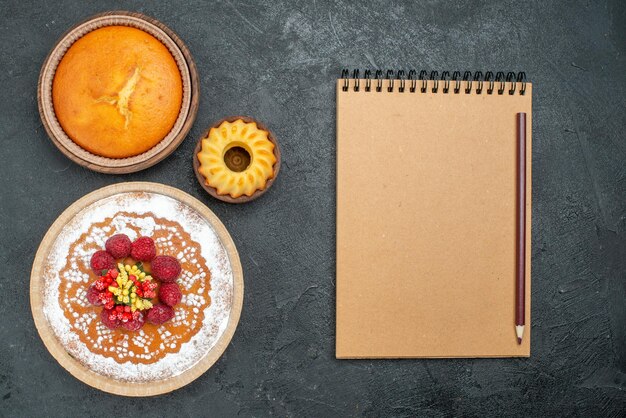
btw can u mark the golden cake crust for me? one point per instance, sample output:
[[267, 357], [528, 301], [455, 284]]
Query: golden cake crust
[[253, 174], [117, 91]]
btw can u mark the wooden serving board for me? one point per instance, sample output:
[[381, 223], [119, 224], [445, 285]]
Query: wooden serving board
[[78, 369], [189, 110]]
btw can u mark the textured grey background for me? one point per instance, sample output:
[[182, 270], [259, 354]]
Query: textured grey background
[[278, 62]]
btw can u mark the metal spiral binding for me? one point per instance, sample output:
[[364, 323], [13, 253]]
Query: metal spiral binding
[[471, 81]]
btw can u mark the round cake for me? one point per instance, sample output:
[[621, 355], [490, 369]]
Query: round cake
[[155, 349], [117, 91]]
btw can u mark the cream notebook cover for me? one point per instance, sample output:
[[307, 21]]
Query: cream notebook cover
[[426, 216]]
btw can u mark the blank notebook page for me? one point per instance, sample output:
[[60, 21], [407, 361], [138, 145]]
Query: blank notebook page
[[426, 215]]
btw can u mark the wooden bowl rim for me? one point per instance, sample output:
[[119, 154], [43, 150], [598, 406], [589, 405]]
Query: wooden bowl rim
[[108, 384], [227, 198], [161, 150]]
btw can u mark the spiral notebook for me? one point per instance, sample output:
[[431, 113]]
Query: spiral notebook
[[426, 214]]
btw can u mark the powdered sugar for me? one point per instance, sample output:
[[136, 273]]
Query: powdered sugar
[[138, 214]]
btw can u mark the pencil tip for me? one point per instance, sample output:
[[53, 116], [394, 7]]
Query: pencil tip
[[519, 332]]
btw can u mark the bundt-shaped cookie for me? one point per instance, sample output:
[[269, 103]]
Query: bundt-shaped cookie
[[237, 158]]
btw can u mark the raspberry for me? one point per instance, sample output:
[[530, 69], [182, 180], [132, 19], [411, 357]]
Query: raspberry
[[109, 318], [169, 294], [160, 314], [107, 299], [118, 246], [100, 284], [93, 296], [135, 323], [101, 260], [165, 268], [143, 249], [126, 317]]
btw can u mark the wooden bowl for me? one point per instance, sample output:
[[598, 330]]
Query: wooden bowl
[[186, 117], [227, 198]]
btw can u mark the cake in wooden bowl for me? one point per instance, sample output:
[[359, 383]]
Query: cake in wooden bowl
[[136, 289], [117, 91], [237, 160]]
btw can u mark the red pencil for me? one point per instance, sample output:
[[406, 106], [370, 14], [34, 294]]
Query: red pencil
[[520, 279]]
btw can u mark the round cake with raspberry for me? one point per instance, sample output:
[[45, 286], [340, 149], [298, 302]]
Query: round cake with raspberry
[[138, 287]]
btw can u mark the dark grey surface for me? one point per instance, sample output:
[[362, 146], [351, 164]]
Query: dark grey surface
[[278, 62]]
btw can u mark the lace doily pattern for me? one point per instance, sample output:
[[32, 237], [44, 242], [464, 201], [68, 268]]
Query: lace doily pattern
[[152, 343]]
